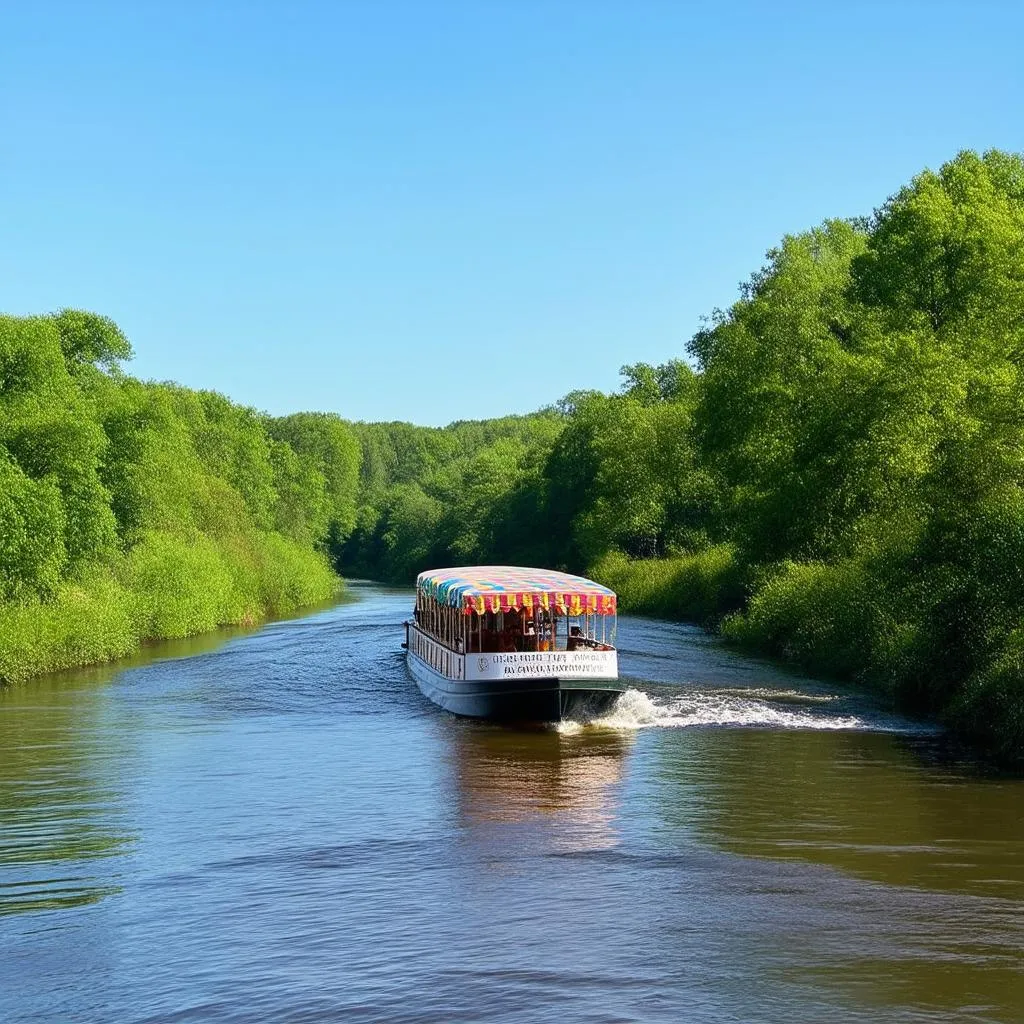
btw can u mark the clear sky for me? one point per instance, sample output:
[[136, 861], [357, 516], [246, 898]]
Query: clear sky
[[433, 211]]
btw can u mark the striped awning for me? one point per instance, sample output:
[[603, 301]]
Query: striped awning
[[502, 588]]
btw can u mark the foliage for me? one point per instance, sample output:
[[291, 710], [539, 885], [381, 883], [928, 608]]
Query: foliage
[[694, 586], [320, 455], [863, 405], [470, 492], [841, 481], [816, 614], [133, 510], [85, 621], [87, 339]]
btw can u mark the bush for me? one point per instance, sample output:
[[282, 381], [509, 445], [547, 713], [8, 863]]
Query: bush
[[990, 708], [700, 587], [181, 585], [822, 616], [167, 586], [289, 576], [87, 621]]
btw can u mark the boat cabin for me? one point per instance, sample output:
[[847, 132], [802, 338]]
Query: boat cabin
[[501, 610]]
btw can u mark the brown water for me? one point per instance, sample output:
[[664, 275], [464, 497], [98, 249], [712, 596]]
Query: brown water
[[278, 827]]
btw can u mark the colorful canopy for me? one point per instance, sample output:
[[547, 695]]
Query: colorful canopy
[[501, 588]]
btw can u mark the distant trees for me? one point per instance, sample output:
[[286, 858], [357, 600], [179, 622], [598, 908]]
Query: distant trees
[[559, 487], [319, 455], [462, 493]]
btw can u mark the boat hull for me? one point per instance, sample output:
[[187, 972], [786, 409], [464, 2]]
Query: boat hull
[[550, 699]]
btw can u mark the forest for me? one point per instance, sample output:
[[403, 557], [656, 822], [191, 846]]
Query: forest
[[831, 473]]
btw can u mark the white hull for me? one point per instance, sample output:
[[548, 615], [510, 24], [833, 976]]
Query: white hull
[[532, 698]]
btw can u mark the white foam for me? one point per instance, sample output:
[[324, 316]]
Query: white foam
[[793, 696], [570, 727], [637, 710]]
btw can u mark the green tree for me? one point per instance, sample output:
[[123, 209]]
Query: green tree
[[90, 339], [47, 429], [781, 403], [331, 448]]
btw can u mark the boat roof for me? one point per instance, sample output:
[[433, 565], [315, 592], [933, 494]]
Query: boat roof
[[493, 588]]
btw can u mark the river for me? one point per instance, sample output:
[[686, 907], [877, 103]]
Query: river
[[276, 826]]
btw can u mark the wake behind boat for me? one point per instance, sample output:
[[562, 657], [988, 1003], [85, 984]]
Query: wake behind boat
[[514, 644]]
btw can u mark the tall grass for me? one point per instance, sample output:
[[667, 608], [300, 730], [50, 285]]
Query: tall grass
[[167, 586], [990, 707], [700, 587], [834, 619], [92, 619], [822, 616]]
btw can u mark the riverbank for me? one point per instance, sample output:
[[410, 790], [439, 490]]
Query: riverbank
[[166, 587], [828, 620]]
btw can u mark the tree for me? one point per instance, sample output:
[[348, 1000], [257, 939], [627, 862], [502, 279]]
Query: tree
[[781, 394], [48, 431], [329, 447], [90, 339]]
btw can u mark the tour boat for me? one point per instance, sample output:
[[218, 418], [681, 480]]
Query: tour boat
[[514, 644]]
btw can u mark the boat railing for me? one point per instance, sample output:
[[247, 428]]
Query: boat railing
[[572, 643], [438, 655], [593, 660]]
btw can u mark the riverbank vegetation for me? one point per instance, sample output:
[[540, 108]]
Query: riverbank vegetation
[[840, 482], [835, 476], [131, 510]]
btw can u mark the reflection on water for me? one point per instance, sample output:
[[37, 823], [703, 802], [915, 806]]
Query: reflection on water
[[59, 794], [855, 801], [503, 775], [280, 827], [65, 751]]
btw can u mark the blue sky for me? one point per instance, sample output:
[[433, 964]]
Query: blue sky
[[436, 211]]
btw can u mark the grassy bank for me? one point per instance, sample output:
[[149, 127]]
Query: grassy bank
[[696, 588], [167, 587]]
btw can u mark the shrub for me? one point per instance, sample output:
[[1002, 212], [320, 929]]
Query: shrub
[[89, 620], [990, 708], [700, 587], [823, 616]]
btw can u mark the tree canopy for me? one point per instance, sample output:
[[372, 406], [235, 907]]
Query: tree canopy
[[836, 471]]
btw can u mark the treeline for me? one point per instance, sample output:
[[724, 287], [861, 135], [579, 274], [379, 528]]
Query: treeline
[[841, 481], [560, 487], [132, 510]]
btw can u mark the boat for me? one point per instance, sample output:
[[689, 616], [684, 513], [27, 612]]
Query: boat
[[514, 644]]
